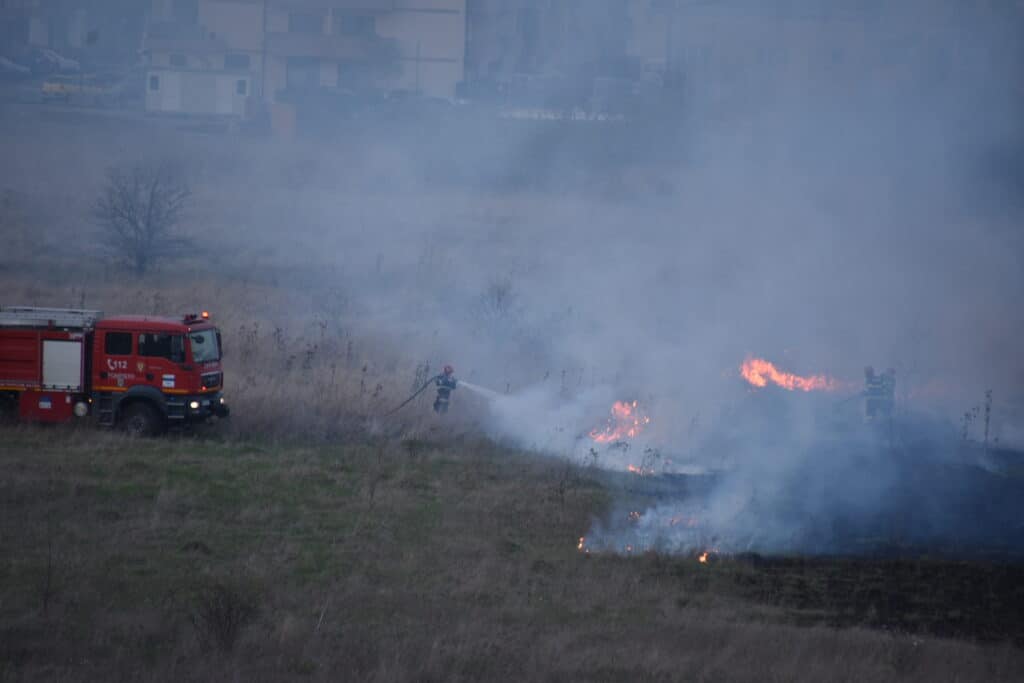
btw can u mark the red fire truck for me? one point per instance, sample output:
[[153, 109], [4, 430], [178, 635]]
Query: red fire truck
[[140, 373]]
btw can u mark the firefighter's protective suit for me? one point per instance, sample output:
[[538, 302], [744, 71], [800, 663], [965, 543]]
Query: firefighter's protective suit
[[879, 393], [446, 384]]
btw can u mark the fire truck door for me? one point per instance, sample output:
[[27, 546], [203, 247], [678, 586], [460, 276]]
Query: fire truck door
[[160, 356], [62, 365]]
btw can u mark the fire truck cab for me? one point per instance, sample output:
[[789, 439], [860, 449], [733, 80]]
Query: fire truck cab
[[141, 373]]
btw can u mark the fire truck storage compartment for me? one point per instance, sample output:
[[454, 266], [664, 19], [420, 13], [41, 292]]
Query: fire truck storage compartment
[[62, 365], [40, 405], [19, 357]]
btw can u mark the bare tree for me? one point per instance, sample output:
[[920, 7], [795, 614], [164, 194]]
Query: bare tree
[[499, 300], [139, 210]]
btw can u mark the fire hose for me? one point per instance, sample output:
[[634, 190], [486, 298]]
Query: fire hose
[[415, 394]]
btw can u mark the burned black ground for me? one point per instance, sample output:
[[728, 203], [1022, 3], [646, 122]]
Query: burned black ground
[[973, 600]]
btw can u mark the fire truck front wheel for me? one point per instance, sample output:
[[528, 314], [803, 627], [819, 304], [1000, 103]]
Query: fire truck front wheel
[[141, 419]]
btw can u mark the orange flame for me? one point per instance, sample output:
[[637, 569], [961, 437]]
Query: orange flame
[[625, 422], [703, 559], [759, 372]]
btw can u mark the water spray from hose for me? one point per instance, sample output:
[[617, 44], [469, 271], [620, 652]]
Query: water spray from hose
[[482, 391]]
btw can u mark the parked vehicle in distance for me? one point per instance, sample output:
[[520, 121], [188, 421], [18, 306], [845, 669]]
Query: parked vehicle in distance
[[44, 60], [91, 89]]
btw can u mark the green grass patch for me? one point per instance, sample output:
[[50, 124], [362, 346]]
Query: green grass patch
[[376, 557]]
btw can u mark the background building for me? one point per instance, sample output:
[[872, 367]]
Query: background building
[[751, 48], [219, 56], [241, 57], [105, 33], [550, 53], [719, 50]]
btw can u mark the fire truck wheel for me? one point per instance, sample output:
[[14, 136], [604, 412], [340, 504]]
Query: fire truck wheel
[[141, 419]]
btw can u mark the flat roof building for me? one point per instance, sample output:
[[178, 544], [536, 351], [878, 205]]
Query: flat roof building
[[218, 56]]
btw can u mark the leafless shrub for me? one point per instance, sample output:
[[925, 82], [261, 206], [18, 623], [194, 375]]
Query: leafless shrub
[[422, 375], [222, 613], [988, 415], [967, 421], [499, 300], [138, 211]]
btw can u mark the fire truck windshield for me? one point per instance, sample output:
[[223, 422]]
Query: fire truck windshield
[[204, 346]]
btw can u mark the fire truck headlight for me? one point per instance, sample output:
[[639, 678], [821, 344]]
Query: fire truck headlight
[[81, 409], [222, 401], [193, 405]]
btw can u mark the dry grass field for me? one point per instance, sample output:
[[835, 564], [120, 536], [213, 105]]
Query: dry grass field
[[311, 538], [212, 557]]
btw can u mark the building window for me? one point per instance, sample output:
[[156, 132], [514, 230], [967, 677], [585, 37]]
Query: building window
[[306, 22], [302, 73], [236, 61], [154, 82], [242, 87], [118, 344], [354, 24], [355, 75], [178, 60]]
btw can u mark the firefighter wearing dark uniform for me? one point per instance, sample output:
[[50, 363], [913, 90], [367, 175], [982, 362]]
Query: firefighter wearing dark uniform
[[879, 393], [446, 384]]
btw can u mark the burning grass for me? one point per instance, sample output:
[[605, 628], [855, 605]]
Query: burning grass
[[759, 372], [627, 421], [383, 560]]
